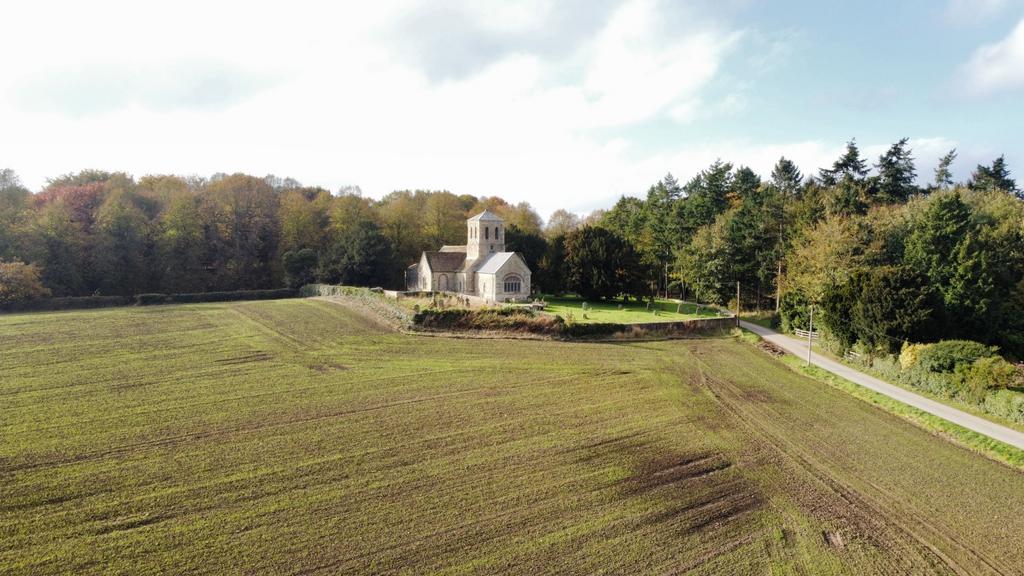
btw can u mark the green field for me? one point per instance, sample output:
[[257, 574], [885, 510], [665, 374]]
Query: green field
[[295, 437], [633, 312]]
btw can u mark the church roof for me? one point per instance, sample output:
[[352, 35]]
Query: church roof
[[452, 248], [445, 261], [486, 215], [494, 262]]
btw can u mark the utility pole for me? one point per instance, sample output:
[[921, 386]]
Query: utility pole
[[737, 303], [810, 334], [778, 287]]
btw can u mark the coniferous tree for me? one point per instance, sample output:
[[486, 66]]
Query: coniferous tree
[[745, 186], [600, 264], [530, 244], [707, 196], [933, 243], [896, 174], [849, 166], [943, 174], [994, 177], [786, 178], [661, 233], [627, 218]]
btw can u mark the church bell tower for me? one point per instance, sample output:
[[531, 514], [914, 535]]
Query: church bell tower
[[485, 235]]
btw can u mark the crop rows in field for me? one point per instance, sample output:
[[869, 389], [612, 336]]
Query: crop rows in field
[[296, 437]]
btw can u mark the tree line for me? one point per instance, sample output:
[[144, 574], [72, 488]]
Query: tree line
[[881, 258], [106, 233]]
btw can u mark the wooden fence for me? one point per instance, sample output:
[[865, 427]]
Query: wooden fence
[[804, 333]]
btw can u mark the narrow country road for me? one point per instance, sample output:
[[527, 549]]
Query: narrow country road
[[980, 425]]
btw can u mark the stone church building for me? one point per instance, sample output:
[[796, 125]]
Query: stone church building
[[482, 268]]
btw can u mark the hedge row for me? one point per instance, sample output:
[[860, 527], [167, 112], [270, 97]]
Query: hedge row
[[150, 299], [494, 319], [67, 303], [525, 320], [959, 370], [85, 302]]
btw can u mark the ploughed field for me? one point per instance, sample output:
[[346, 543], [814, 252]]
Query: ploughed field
[[296, 436]]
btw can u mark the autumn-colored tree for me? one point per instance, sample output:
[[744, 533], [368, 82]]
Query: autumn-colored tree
[[242, 232], [561, 223], [123, 246], [14, 212], [443, 220], [20, 282], [304, 220], [179, 246]]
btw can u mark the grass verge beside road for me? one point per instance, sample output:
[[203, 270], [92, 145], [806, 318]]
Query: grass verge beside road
[[991, 448]]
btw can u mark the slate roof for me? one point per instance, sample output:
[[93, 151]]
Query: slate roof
[[445, 261], [486, 215], [452, 248], [494, 262]]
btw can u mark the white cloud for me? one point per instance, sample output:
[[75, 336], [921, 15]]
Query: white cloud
[[638, 68], [325, 95], [337, 102], [997, 67]]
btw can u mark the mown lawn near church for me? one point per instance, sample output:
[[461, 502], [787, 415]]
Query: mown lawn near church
[[298, 437], [632, 312]]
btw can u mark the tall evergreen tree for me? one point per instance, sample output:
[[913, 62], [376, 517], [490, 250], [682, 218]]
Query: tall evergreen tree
[[627, 218], [943, 174], [661, 233], [994, 177], [849, 166], [707, 196], [600, 264], [896, 174], [745, 186], [934, 241], [786, 178]]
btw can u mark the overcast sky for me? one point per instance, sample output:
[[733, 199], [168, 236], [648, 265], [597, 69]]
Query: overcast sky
[[564, 104]]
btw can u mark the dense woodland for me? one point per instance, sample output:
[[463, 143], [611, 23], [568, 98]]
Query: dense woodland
[[882, 259]]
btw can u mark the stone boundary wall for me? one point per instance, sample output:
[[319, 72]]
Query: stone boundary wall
[[725, 322], [384, 303], [651, 329]]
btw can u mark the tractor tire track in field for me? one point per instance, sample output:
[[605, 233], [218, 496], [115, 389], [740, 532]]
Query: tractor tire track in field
[[891, 502], [878, 518]]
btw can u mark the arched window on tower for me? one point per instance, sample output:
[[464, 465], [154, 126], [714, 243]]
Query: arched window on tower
[[497, 233], [487, 233]]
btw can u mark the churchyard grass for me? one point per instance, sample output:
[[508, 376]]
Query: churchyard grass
[[632, 312]]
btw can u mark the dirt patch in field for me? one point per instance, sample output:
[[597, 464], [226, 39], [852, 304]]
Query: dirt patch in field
[[758, 396], [771, 349], [696, 491], [325, 367], [675, 469]]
